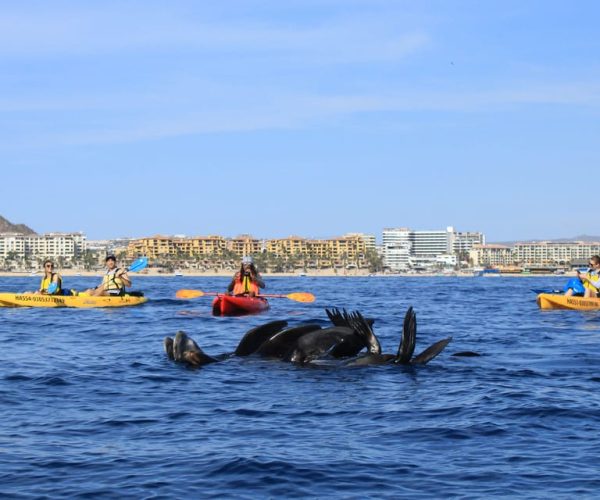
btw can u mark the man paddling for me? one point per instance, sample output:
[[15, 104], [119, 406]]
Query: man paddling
[[247, 281], [114, 282]]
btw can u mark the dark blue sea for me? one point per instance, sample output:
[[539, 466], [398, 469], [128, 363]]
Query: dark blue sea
[[91, 407]]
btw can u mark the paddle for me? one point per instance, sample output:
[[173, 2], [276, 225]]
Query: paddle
[[574, 284], [297, 296], [136, 265], [538, 291]]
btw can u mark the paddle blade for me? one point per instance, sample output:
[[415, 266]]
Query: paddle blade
[[52, 287], [301, 297], [189, 294], [138, 264]]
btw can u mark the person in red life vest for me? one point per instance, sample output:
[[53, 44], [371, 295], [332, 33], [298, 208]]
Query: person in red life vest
[[247, 280]]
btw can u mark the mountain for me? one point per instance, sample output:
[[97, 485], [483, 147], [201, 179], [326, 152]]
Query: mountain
[[8, 227], [581, 237]]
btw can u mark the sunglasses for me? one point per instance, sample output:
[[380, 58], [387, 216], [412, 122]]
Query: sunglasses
[[49, 266]]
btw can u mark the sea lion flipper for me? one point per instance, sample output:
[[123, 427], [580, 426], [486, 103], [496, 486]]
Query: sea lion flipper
[[336, 317], [431, 352], [179, 345], [168, 345], [363, 329], [466, 354], [408, 339]]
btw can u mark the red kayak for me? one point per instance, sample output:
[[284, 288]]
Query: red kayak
[[229, 305]]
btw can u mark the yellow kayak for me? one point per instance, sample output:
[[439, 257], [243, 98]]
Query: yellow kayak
[[32, 300], [557, 301]]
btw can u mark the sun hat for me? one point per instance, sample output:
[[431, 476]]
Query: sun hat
[[247, 260]]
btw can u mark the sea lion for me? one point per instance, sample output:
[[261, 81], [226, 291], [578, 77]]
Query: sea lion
[[255, 337], [351, 345], [282, 343], [317, 343], [183, 349], [305, 343], [404, 356]]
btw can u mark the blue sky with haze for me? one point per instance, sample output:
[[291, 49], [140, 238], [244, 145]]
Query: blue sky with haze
[[311, 118]]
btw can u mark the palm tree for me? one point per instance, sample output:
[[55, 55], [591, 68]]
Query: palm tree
[[374, 261]]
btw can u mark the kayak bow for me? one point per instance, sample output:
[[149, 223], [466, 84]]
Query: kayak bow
[[230, 305]]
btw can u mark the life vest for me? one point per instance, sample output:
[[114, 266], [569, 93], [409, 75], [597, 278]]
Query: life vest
[[594, 283], [245, 285], [112, 284], [45, 283]]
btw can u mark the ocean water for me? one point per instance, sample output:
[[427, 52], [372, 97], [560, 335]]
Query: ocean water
[[91, 407]]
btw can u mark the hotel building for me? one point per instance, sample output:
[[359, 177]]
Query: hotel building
[[404, 248], [348, 248], [53, 245], [532, 254]]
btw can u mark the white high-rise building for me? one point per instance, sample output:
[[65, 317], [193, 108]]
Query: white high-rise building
[[396, 248], [68, 245], [431, 243], [403, 247]]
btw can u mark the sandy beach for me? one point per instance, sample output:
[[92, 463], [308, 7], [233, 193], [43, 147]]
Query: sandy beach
[[313, 273], [155, 272]]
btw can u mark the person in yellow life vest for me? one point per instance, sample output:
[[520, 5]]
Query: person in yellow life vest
[[247, 281], [591, 279], [114, 282], [50, 277]]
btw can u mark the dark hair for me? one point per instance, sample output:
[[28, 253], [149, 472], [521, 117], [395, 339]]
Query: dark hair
[[595, 258], [48, 261], [253, 270], [110, 257]]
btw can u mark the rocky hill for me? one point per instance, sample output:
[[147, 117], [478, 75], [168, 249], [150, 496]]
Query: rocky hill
[[8, 227], [582, 237]]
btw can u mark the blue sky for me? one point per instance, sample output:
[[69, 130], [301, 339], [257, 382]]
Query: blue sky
[[311, 118]]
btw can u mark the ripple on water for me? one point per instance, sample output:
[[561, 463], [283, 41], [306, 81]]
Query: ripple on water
[[92, 407]]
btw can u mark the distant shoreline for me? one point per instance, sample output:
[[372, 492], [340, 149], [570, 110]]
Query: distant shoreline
[[312, 274]]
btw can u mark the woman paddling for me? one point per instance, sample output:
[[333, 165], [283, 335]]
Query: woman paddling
[[50, 277], [247, 281]]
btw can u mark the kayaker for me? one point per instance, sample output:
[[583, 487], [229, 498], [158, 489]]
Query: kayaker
[[114, 282], [247, 281], [590, 280], [50, 277]]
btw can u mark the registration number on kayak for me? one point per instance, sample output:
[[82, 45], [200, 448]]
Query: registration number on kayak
[[39, 298], [582, 303]]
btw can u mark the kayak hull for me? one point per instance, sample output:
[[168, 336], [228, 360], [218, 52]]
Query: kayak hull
[[78, 301], [557, 301], [228, 305]]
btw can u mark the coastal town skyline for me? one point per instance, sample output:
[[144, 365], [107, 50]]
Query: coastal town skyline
[[7, 226]]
